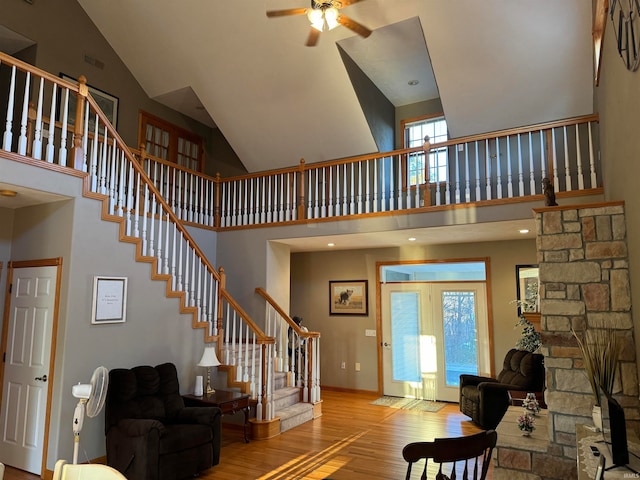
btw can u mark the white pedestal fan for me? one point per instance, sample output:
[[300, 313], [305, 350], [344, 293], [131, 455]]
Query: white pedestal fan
[[91, 400]]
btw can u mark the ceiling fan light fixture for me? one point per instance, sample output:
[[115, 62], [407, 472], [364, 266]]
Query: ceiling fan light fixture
[[331, 16], [316, 17]]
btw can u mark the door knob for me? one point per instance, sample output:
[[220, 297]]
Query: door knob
[[385, 344], [42, 378]]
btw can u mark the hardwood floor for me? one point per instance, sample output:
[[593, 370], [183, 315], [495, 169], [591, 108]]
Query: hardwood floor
[[352, 440]]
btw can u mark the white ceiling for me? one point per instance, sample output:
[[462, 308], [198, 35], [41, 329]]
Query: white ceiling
[[497, 64]]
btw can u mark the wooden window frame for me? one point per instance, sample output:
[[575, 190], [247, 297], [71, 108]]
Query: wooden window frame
[[175, 132]]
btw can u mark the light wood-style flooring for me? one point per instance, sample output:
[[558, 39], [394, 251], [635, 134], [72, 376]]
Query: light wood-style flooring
[[352, 440]]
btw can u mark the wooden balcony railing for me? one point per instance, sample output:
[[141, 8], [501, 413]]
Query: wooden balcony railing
[[116, 177], [509, 165]]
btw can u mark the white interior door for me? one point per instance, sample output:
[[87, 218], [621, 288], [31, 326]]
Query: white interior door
[[29, 329], [431, 333]]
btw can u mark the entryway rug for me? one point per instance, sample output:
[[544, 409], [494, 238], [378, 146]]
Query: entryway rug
[[409, 404]]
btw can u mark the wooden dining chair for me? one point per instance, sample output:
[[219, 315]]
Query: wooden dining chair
[[472, 450]]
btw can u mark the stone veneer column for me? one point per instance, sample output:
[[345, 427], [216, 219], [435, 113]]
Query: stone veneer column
[[584, 283]]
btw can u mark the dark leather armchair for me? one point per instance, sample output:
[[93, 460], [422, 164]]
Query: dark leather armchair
[[486, 399], [151, 435]]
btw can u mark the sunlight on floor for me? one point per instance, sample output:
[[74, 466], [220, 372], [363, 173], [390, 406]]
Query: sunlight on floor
[[306, 464]]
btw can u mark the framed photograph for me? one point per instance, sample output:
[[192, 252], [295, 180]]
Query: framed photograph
[[107, 103], [527, 285], [348, 297], [109, 300]]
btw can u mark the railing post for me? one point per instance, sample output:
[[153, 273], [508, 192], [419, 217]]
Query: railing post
[[77, 154], [301, 194], [217, 209]]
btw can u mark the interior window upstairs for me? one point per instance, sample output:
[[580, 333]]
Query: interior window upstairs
[[414, 132]]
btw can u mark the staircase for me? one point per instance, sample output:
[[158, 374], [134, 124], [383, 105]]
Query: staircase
[[112, 175]]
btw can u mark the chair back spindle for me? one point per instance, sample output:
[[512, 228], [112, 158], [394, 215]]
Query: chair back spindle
[[472, 450]]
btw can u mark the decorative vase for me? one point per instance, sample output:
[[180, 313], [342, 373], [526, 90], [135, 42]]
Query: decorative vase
[[526, 433], [596, 414]]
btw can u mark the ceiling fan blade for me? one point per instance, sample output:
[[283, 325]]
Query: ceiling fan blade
[[312, 39], [289, 11], [353, 25]]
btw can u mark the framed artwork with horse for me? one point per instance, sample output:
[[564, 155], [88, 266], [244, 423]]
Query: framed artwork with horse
[[348, 297]]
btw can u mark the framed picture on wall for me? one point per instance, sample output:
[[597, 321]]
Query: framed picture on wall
[[109, 300], [107, 103], [348, 297]]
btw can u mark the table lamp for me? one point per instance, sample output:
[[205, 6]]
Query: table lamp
[[209, 359]]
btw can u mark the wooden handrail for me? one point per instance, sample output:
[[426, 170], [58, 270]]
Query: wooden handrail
[[260, 291]]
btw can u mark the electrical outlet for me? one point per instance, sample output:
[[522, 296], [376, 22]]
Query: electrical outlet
[[357, 366], [369, 333], [343, 365]]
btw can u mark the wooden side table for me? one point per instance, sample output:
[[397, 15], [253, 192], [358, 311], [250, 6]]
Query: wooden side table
[[228, 402]]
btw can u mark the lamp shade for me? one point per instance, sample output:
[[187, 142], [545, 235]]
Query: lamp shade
[[209, 357]]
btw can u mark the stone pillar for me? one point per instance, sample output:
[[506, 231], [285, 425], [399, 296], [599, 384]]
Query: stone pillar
[[584, 283]]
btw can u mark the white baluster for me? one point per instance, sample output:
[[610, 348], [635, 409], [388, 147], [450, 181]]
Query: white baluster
[[8, 134], [478, 191], [345, 193], [62, 154], [323, 203], [287, 198], [488, 172], [129, 193], [337, 195], [192, 297], [367, 187], [252, 387], [51, 150], [509, 175], [37, 137], [498, 170], [554, 154], [360, 187], [567, 172], [245, 376], [259, 406], [532, 176], [352, 196], [579, 159], [467, 187], [592, 161], [160, 212], [136, 221], [543, 161], [180, 277], [520, 172], [22, 139], [239, 369], [152, 244], [227, 331], [373, 193], [263, 198], [245, 201], [165, 268], [457, 192]]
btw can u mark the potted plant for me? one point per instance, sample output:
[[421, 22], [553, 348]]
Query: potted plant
[[600, 349], [530, 338]]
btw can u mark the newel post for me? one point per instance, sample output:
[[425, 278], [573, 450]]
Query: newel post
[[216, 201], [301, 194], [77, 153]]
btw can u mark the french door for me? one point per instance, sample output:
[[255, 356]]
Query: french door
[[432, 333]]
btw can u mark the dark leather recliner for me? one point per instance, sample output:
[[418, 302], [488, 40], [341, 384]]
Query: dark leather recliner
[[151, 435], [486, 399]]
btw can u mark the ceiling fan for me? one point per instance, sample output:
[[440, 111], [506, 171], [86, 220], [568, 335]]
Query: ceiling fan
[[324, 15]]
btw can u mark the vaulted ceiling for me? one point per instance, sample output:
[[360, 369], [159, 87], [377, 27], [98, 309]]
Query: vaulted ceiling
[[496, 64]]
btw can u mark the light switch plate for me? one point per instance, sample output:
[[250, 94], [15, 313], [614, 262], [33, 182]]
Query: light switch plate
[[369, 333]]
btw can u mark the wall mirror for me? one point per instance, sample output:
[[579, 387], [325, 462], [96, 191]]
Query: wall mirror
[[527, 285]]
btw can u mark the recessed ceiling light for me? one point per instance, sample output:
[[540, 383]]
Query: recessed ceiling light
[[8, 193], [412, 239], [413, 82], [524, 230], [331, 244]]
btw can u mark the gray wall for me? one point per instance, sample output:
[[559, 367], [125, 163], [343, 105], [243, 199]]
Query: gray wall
[[343, 337], [62, 45], [155, 331], [618, 101], [378, 110]]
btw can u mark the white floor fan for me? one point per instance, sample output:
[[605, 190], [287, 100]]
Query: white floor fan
[[91, 400]]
